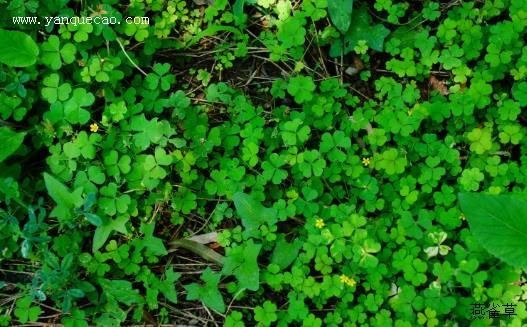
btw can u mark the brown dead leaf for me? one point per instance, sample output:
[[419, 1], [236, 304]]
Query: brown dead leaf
[[438, 85]]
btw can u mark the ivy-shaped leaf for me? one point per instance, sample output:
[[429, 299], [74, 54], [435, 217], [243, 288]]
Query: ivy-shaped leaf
[[253, 213], [361, 28], [65, 199], [241, 262], [209, 293]]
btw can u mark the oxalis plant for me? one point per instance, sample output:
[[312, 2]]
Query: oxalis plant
[[263, 163]]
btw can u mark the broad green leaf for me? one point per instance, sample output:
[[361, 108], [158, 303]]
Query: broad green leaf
[[252, 213], [361, 28], [60, 193], [498, 223], [241, 262], [18, 49], [103, 231], [120, 290], [209, 293], [65, 199], [340, 13], [153, 244], [11, 141], [285, 253], [168, 286]]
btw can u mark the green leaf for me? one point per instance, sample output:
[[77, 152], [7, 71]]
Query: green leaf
[[25, 312], [340, 13], [265, 314], [120, 291], [73, 108], [301, 88], [285, 253], [103, 231], [361, 28], [11, 141], [153, 244], [498, 223], [65, 199], [252, 213], [241, 262], [209, 293], [93, 219], [60, 193], [53, 91], [18, 49], [168, 285]]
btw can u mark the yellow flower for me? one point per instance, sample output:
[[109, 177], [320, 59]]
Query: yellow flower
[[94, 127], [348, 281], [319, 223], [351, 282], [462, 217], [365, 161]]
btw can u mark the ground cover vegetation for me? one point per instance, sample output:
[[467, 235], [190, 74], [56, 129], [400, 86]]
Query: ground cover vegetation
[[263, 162]]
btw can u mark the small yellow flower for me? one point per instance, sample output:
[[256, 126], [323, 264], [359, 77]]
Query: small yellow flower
[[348, 281], [365, 161], [462, 217], [319, 223], [351, 282], [94, 127]]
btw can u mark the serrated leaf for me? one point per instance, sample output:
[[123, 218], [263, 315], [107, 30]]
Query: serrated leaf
[[18, 49], [498, 223]]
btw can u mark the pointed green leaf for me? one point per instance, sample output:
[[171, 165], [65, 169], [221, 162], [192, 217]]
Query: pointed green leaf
[[252, 213], [11, 141], [103, 231], [340, 13]]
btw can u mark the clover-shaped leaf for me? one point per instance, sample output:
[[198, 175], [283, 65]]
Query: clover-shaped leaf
[[74, 111], [480, 140], [25, 312], [292, 133], [470, 179], [301, 88], [390, 161], [265, 314], [54, 90], [54, 56]]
